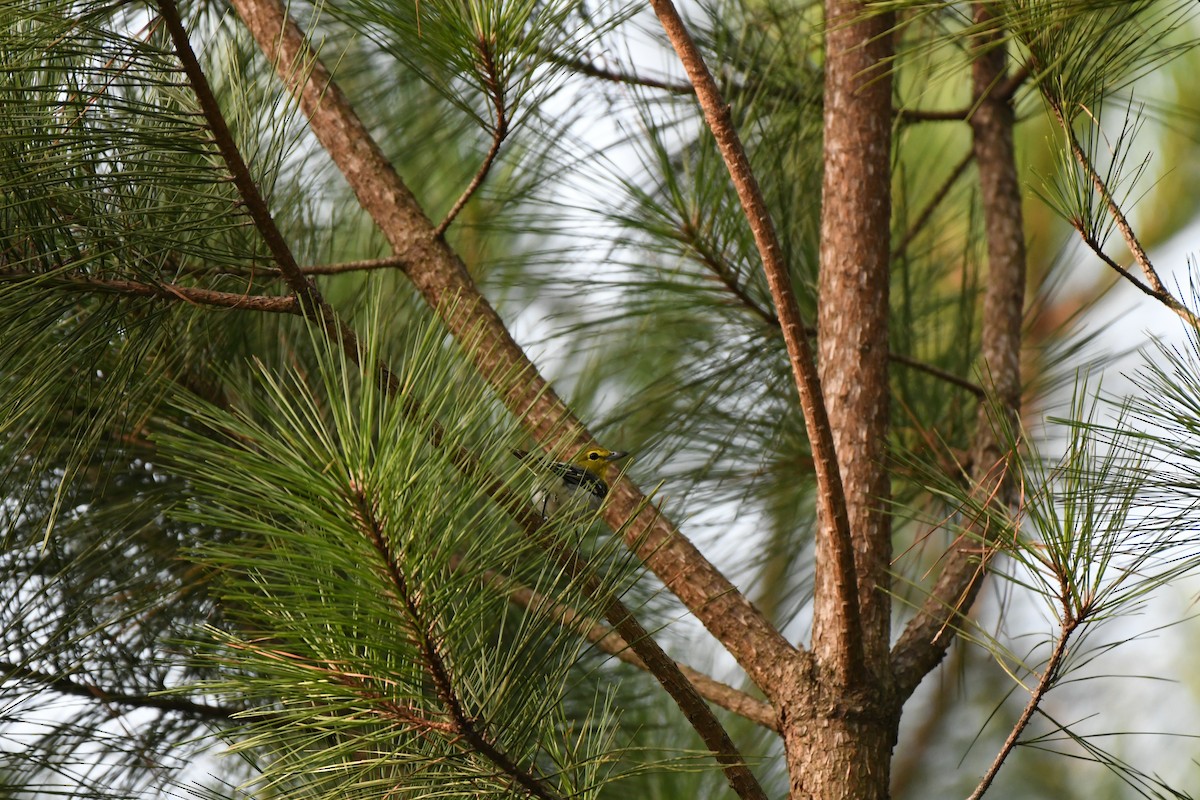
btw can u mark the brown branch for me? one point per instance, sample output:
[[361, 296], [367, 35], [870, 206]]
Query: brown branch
[[611, 642], [1166, 299], [911, 115], [495, 89], [924, 642], [939, 373], [441, 278], [1035, 699], [1114, 210], [10, 671], [830, 495], [360, 684], [163, 291], [424, 635], [302, 287], [365, 265], [1007, 88], [1156, 288]]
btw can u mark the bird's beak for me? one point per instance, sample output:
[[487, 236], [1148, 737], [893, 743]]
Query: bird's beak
[[616, 456]]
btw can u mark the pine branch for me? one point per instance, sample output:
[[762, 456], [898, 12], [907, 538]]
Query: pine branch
[[408, 715], [1098, 250], [495, 89], [365, 265], [939, 373], [1049, 676], [592, 71], [611, 642], [724, 273], [423, 632], [113, 697], [1156, 289], [441, 278], [830, 494], [161, 291], [1005, 90]]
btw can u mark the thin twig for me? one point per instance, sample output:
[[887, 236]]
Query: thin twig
[[724, 273], [1035, 699], [1006, 89], [1095, 246], [589, 69], [830, 492], [911, 115], [10, 672], [163, 291], [1166, 299], [1159, 291], [494, 86], [364, 265], [938, 372]]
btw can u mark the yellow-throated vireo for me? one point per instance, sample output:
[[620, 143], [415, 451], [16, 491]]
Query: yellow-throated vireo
[[579, 485]]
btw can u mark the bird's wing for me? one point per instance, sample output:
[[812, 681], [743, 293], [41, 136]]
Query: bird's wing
[[579, 478]]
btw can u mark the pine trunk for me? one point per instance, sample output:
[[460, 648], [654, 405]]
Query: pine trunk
[[840, 730]]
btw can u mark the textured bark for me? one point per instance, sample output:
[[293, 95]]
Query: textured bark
[[838, 741], [852, 325], [839, 734], [924, 642]]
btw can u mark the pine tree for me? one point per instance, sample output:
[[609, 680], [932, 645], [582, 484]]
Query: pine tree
[[283, 289]]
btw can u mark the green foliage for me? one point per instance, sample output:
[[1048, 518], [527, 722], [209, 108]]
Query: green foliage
[[366, 628]]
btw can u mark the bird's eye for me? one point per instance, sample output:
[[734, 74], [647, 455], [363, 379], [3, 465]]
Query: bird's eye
[[593, 456]]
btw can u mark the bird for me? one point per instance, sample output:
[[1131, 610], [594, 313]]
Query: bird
[[579, 485]]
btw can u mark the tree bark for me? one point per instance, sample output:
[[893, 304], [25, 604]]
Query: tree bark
[[839, 730], [838, 741], [852, 321]]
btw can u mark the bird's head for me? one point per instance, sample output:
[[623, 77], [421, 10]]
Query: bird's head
[[596, 460]]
